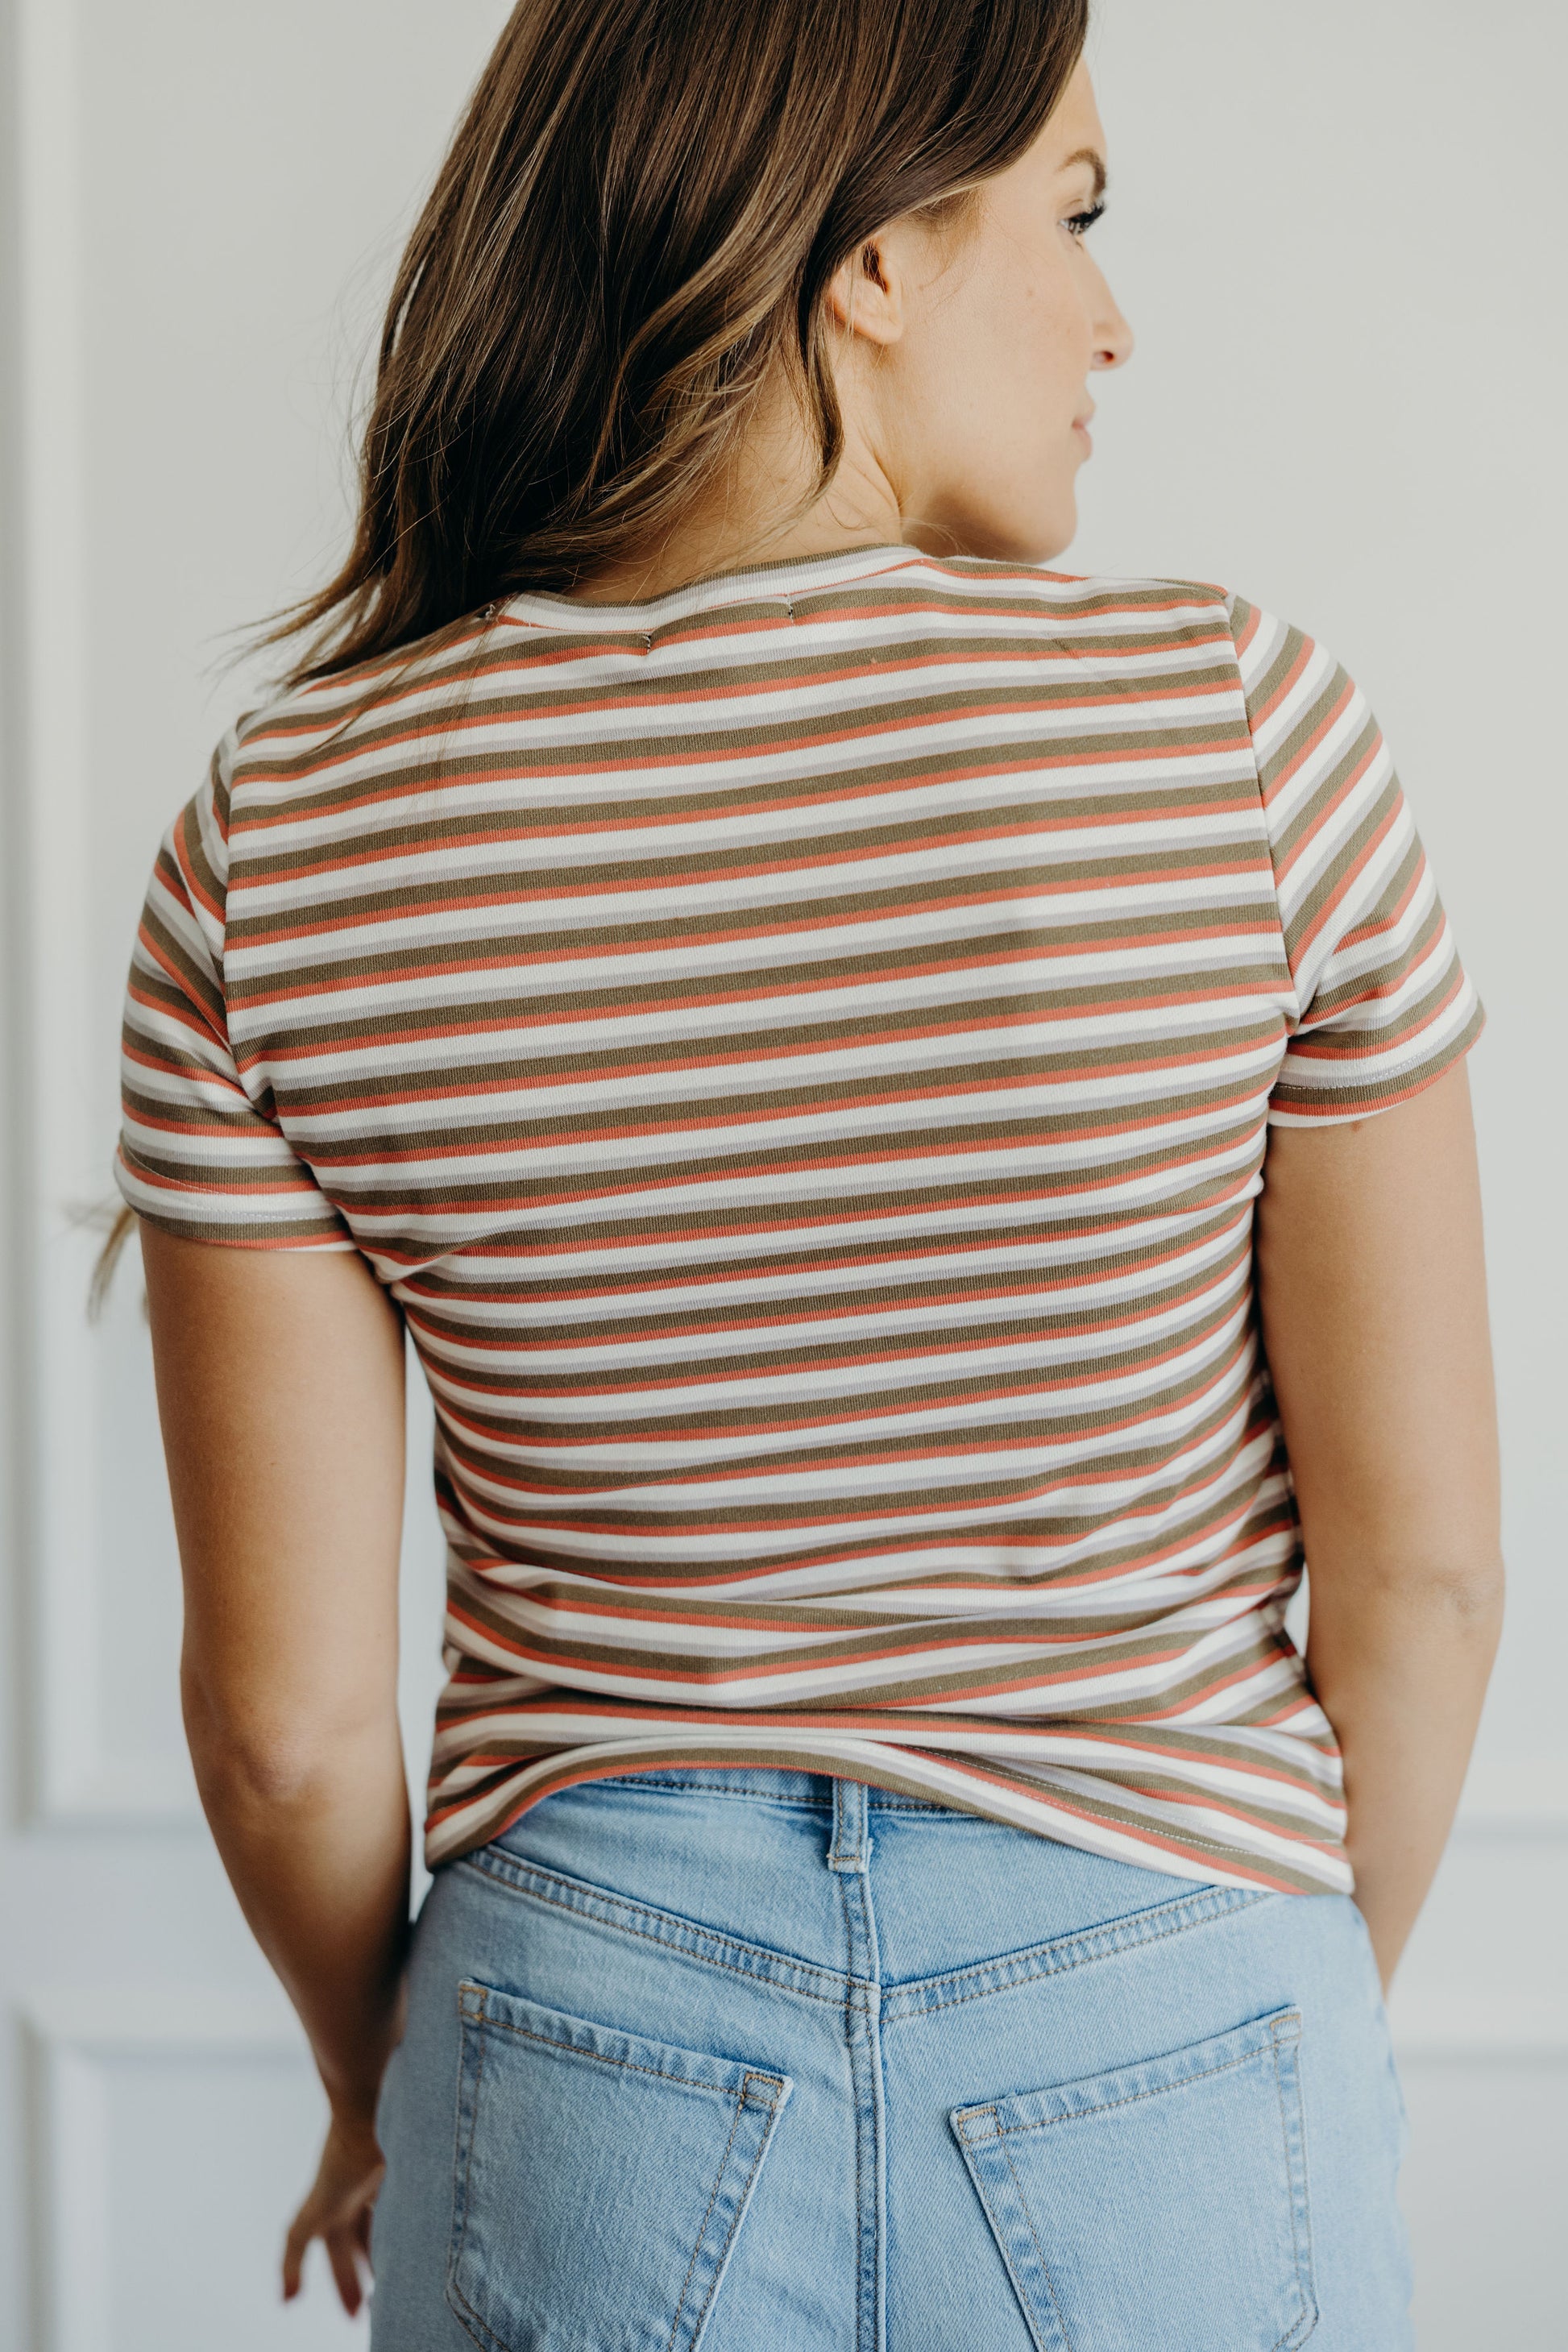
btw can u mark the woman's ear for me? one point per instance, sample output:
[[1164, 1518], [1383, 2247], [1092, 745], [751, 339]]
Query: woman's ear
[[866, 293]]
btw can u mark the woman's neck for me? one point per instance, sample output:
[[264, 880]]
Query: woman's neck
[[762, 512]]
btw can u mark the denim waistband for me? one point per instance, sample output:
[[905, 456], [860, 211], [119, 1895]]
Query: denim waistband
[[764, 1784]]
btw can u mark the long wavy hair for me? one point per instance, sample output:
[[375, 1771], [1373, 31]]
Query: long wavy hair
[[630, 239], [631, 236]]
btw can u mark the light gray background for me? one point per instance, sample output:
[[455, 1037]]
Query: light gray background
[[1338, 232]]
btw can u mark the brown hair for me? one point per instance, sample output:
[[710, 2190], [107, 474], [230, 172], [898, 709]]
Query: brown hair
[[633, 229]]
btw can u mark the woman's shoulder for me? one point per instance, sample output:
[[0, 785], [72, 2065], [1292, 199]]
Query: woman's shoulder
[[1049, 588], [309, 720], [1130, 614], [1052, 576], [1124, 623], [410, 713], [1110, 611]]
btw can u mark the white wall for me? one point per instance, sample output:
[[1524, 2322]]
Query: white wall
[[202, 206], [1337, 232]]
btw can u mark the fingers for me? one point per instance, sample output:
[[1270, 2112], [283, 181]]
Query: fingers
[[340, 2248], [338, 2211], [300, 2236], [345, 2246], [347, 2242]]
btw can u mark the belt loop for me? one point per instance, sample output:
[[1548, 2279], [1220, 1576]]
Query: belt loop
[[851, 1848]]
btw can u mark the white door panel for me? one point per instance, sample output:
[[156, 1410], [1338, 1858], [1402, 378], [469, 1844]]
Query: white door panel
[[171, 2130], [203, 204]]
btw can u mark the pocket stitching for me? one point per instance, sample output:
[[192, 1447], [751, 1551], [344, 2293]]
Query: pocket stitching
[[1063, 1953], [468, 2320], [489, 2340], [702, 2233], [1307, 2299], [1284, 2033], [600, 2058], [741, 2201], [708, 2216], [1160, 2091], [472, 2021], [1039, 2250]]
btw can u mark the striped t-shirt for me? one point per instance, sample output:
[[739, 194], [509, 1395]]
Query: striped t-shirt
[[800, 1052]]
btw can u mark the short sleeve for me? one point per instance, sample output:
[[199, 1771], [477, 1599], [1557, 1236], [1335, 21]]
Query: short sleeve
[[197, 1155], [1382, 1004]]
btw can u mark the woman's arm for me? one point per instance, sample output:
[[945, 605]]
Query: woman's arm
[[1373, 1304], [280, 1395]]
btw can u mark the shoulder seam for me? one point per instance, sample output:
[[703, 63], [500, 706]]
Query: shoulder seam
[[1233, 598]]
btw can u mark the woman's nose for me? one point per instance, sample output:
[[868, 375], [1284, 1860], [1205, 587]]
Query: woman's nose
[[1113, 337]]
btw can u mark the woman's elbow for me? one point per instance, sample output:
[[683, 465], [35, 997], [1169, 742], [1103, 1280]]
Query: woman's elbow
[[1470, 1592], [287, 1755], [1461, 1590]]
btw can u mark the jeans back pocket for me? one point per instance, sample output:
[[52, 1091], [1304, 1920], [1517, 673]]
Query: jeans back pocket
[[601, 2179], [1160, 2207]]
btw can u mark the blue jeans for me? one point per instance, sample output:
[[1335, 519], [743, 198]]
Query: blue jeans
[[764, 2062]]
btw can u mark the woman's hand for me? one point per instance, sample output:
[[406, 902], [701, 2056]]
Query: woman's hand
[[338, 2209]]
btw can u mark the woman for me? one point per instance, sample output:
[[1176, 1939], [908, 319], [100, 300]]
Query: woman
[[852, 1056]]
